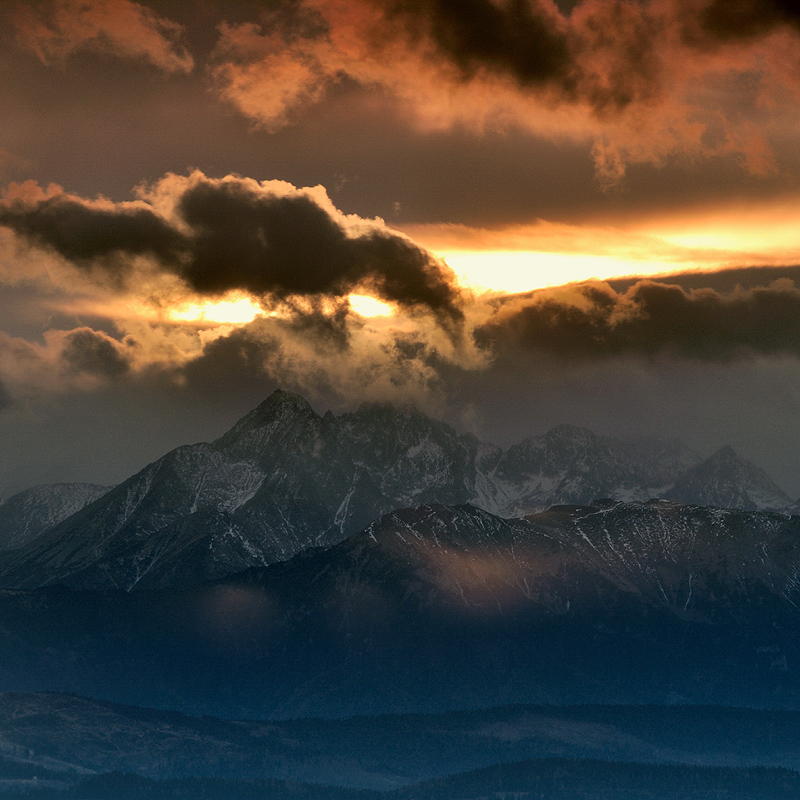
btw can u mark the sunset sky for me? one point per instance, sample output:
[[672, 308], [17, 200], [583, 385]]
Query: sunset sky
[[510, 213]]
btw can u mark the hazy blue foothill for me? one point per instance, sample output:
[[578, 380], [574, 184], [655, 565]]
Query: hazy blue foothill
[[444, 607], [554, 779]]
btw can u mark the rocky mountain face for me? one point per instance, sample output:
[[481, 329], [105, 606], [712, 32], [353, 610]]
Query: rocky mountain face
[[285, 478], [280, 480], [682, 558], [574, 465], [438, 607], [727, 481], [27, 515]]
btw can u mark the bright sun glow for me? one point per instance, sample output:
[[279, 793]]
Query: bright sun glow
[[368, 306], [542, 254], [754, 230], [521, 271], [226, 311]]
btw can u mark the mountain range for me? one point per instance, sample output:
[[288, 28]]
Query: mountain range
[[285, 478], [438, 607], [87, 737]]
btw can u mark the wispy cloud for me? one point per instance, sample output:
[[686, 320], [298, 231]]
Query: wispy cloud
[[642, 81], [122, 28]]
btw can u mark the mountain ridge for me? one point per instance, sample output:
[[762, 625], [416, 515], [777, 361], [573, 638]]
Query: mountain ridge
[[439, 607], [285, 478]]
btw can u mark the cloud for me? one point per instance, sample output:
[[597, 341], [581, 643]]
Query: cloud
[[518, 38], [381, 364], [5, 397], [648, 319], [726, 20], [90, 233], [120, 27], [94, 353], [81, 359], [268, 239], [642, 81]]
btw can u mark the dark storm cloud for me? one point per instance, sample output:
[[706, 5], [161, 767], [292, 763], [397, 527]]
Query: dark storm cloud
[[230, 361], [327, 328], [619, 57], [743, 19], [648, 319], [86, 234], [645, 81], [290, 245], [93, 353], [515, 38], [723, 281], [237, 234]]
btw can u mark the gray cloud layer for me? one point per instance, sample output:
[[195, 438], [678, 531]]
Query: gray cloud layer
[[650, 318], [743, 19], [5, 399], [93, 353]]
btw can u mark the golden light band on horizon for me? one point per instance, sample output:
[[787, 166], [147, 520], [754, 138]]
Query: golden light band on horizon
[[242, 310], [523, 271], [543, 254], [367, 306]]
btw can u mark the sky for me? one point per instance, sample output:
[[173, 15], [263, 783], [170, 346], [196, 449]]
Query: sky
[[509, 213]]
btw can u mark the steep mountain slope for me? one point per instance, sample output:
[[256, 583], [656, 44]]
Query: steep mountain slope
[[26, 515], [574, 465], [282, 479], [687, 559], [727, 481]]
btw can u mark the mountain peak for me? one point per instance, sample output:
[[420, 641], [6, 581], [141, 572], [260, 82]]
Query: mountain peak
[[570, 432], [280, 409], [725, 453], [279, 403], [281, 398], [727, 480]]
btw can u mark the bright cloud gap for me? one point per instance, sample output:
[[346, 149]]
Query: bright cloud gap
[[239, 311]]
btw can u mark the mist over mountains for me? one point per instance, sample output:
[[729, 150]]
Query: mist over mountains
[[439, 607], [285, 478]]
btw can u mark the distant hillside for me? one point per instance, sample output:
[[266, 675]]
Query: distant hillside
[[558, 779]]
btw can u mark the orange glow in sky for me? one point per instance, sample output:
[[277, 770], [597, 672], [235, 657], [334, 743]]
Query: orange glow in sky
[[368, 306], [520, 271], [542, 254], [238, 311]]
